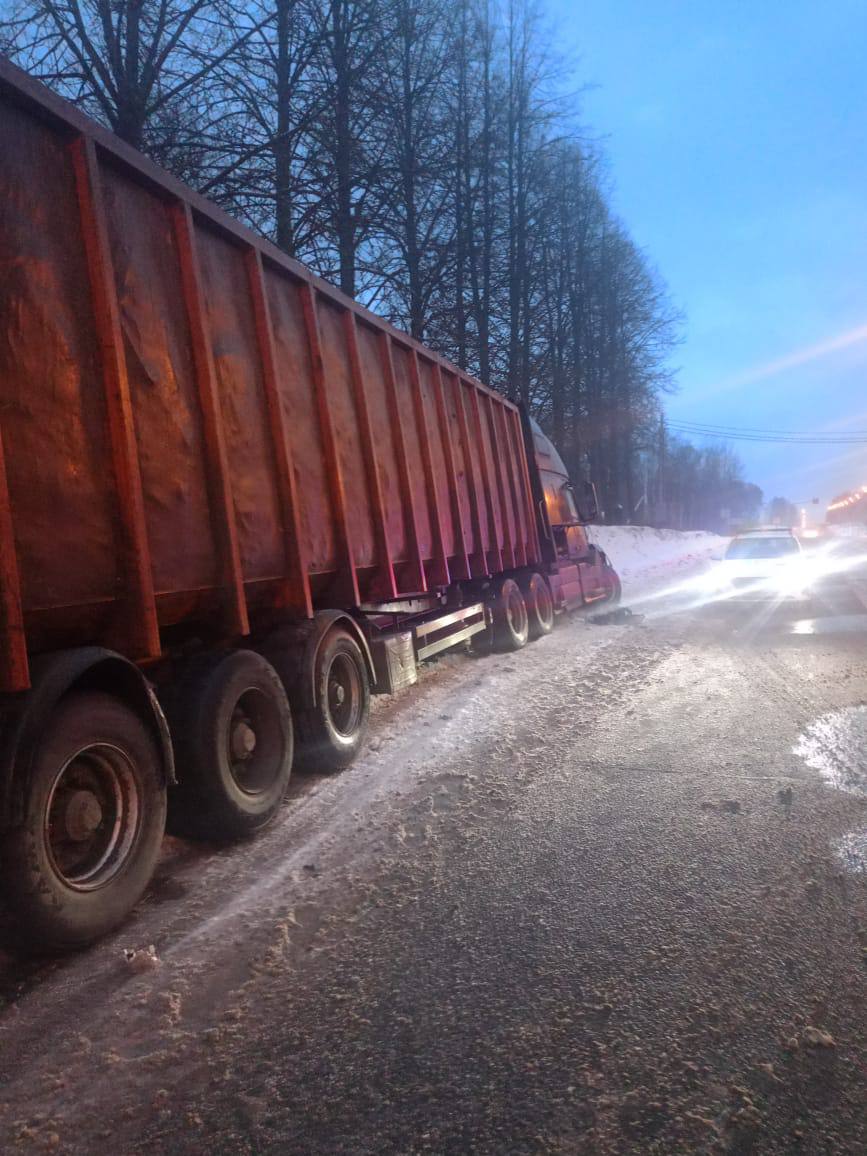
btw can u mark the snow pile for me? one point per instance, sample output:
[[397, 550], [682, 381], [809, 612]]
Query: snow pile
[[643, 556]]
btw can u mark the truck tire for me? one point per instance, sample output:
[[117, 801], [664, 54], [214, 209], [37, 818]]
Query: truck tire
[[331, 733], [511, 624], [615, 590], [233, 747], [540, 605], [93, 823]]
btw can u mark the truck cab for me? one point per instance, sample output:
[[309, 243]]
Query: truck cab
[[579, 572]]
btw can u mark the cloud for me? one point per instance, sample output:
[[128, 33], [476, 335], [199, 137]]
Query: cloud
[[829, 467], [793, 360]]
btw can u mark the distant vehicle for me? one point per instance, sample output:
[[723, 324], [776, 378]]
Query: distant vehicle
[[763, 563]]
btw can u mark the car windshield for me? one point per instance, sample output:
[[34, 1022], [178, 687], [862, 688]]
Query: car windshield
[[762, 548]]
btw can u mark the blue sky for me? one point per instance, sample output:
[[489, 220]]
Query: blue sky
[[736, 135]]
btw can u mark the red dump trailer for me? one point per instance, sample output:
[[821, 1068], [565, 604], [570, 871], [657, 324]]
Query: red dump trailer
[[233, 504]]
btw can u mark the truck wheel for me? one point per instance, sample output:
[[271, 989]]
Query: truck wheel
[[93, 824], [511, 626], [233, 748], [614, 587], [540, 605], [331, 733]]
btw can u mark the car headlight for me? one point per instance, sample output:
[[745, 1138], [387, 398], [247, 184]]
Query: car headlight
[[793, 580], [716, 579]]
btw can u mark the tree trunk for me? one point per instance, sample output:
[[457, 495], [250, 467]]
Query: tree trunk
[[344, 224], [282, 148]]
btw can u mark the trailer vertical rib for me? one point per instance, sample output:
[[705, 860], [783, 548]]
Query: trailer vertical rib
[[139, 627], [297, 581], [222, 508], [365, 429]]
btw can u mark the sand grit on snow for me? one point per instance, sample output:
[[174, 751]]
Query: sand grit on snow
[[643, 556]]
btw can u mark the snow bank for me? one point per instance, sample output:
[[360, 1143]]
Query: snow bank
[[643, 557]]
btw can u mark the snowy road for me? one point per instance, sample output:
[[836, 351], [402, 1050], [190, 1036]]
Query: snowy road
[[603, 896]]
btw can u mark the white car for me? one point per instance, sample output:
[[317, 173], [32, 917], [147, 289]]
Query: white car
[[764, 564]]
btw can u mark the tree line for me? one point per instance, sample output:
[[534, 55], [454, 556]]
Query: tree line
[[423, 157], [690, 487]]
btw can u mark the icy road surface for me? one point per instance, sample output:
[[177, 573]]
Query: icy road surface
[[588, 898]]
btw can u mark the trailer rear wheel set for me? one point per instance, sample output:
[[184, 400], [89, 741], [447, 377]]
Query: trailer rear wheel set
[[94, 806]]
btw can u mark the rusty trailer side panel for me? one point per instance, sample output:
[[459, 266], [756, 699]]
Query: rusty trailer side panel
[[194, 428]]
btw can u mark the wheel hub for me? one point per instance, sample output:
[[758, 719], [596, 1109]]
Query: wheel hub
[[82, 815], [338, 693], [243, 741], [92, 816]]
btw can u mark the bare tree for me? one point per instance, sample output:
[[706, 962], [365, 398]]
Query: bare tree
[[416, 187], [345, 142], [271, 83], [142, 66]]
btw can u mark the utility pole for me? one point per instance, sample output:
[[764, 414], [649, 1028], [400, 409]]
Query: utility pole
[[660, 475]]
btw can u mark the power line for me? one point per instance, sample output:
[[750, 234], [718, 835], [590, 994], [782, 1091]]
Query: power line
[[763, 430], [732, 433], [769, 438], [746, 431]]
